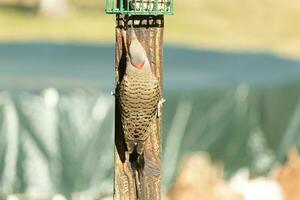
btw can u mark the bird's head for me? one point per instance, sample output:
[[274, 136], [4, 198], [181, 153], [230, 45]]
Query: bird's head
[[137, 57]]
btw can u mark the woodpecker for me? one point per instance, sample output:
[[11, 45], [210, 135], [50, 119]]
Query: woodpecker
[[139, 96]]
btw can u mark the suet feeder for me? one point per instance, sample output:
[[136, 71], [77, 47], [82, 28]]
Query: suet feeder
[[140, 7], [138, 179]]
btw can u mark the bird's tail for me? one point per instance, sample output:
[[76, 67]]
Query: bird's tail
[[140, 162]]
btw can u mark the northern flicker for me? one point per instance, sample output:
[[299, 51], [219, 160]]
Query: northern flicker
[[139, 96]]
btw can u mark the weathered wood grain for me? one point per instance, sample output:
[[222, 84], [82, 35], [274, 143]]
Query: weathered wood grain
[[149, 30]]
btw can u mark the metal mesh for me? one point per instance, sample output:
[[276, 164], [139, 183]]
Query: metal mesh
[[140, 7]]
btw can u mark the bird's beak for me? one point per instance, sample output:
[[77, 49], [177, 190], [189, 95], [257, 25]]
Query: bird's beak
[[132, 34]]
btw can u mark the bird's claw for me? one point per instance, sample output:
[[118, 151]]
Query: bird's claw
[[159, 107]]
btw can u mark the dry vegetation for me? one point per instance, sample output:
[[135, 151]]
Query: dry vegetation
[[199, 178], [289, 176], [265, 24], [272, 25]]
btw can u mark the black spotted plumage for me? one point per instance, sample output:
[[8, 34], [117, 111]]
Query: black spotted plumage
[[139, 95]]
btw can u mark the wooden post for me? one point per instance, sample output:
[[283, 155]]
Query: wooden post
[[149, 30]]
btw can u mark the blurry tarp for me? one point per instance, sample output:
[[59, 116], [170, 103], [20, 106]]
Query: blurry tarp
[[57, 117], [56, 143]]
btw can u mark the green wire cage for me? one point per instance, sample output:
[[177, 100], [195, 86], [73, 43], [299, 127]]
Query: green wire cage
[[140, 7]]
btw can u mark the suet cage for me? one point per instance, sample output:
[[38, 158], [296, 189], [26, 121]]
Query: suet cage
[[140, 7]]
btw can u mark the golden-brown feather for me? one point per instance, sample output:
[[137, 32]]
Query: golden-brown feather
[[139, 94]]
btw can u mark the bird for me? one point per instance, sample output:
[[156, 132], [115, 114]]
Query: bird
[[139, 96]]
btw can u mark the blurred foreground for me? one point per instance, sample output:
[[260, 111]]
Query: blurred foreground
[[199, 178]]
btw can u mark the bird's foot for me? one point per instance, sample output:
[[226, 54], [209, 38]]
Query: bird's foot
[[159, 107]]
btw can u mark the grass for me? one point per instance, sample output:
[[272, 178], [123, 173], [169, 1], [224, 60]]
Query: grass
[[268, 25], [78, 26], [272, 25]]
